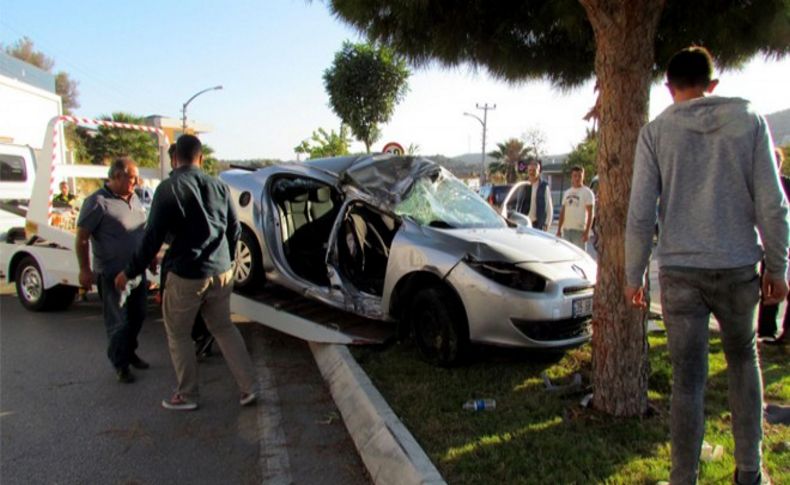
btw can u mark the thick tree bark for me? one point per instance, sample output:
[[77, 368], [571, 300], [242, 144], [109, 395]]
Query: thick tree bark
[[624, 34]]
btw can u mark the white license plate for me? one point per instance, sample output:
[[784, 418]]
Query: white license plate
[[582, 307]]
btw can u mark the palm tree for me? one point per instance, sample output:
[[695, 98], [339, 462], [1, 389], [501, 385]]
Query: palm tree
[[508, 154]]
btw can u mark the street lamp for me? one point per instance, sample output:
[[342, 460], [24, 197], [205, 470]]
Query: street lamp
[[483, 122], [184, 107]]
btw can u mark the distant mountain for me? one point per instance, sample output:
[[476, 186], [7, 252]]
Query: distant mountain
[[779, 123]]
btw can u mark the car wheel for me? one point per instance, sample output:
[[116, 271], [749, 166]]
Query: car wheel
[[31, 292], [439, 327], [247, 268]]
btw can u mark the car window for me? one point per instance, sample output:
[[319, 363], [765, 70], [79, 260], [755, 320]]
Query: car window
[[444, 201]]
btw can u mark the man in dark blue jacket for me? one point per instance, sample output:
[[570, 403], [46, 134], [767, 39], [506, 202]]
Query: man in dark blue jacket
[[196, 210]]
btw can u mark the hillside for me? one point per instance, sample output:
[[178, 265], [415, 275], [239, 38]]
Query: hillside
[[779, 123]]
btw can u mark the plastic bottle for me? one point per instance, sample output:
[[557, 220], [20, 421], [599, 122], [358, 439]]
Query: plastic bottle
[[480, 405]]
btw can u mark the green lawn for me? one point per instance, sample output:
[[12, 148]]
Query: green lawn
[[534, 436]]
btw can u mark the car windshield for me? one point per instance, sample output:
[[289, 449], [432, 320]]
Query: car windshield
[[444, 201]]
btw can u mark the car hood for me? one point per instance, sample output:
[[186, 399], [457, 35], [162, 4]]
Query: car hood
[[506, 244]]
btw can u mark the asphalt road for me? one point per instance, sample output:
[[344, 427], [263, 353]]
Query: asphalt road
[[64, 419]]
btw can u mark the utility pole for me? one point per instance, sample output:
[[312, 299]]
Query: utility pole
[[483, 122]]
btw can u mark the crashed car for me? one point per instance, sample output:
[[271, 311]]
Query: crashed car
[[401, 239]]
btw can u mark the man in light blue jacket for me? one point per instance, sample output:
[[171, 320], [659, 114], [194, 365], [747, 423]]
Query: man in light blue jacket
[[708, 162]]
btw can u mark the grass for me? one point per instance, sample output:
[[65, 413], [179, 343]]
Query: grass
[[534, 436]]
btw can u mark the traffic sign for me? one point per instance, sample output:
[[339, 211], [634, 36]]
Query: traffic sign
[[393, 149]]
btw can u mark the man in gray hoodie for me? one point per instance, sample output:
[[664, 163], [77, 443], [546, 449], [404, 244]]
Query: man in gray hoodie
[[708, 163]]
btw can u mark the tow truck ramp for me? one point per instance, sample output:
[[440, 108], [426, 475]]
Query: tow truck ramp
[[300, 317]]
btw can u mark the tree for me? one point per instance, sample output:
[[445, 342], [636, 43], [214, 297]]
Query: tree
[[364, 85], [323, 144], [65, 87], [624, 44], [210, 162], [535, 139], [584, 155], [106, 144], [508, 154]]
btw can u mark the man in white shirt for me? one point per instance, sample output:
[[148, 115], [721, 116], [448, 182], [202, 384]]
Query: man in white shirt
[[576, 214]]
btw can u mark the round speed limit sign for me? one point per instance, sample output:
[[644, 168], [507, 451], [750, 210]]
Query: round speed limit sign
[[393, 149]]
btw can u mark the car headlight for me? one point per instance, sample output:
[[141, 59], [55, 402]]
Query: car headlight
[[510, 275]]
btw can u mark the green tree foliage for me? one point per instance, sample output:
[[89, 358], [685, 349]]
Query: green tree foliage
[[508, 154], [625, 45], [364, 85], [210, 162], [322, 144], [65, 87], [105, 144], [584, 155]]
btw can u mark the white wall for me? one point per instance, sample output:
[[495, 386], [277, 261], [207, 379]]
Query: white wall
[[25, 111]]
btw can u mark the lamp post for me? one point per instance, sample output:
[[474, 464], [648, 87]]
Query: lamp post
[[184, 106], [483, 122]]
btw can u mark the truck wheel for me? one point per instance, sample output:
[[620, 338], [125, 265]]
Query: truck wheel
[[439, 327], [31, 292], [247, 268]]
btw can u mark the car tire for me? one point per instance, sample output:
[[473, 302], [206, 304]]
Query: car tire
[[439, 327], [31, 292], [247, 267]]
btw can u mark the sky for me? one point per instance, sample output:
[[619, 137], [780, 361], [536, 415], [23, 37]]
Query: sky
[[149, 56]]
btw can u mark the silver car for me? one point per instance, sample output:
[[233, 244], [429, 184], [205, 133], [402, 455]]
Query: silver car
[[401, 239]]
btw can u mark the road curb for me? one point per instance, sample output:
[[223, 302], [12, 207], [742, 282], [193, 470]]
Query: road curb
[[389, 451]]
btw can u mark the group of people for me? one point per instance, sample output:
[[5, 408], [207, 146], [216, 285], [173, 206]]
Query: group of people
[[706, 162], [576, 213], [193, 212]]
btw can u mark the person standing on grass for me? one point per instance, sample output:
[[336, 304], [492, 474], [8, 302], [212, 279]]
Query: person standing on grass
[[576, 214], [196, 210], [708, 161], [773, 323], [111, 221]]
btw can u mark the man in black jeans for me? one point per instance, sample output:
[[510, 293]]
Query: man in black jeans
[[113, 220], [772, 317]]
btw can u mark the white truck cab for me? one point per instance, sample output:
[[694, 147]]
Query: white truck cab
[[17, 174]]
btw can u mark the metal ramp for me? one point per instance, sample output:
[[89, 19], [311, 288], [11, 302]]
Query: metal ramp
[[295, 315]]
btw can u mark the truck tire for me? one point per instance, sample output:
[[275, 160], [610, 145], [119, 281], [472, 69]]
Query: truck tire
[[247, 267], [31, 292]]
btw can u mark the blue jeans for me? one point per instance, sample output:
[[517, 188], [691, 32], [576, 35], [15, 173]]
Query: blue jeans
[[123, 324], [688, 297]]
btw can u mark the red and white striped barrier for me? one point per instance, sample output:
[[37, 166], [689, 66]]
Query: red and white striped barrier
[[53, 184]]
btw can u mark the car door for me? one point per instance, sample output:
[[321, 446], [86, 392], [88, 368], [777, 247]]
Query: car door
[[358, 255], [516, 202]]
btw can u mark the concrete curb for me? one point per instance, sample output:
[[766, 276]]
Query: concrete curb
[[389, 451]]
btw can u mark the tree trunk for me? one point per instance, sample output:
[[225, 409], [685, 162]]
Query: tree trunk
[[624, 35]]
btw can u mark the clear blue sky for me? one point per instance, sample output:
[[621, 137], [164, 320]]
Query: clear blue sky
[[148, 57]]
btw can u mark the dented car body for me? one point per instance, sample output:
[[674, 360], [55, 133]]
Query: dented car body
[[400, 238]]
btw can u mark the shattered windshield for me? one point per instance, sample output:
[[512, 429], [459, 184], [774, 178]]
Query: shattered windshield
[[444, 201]]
